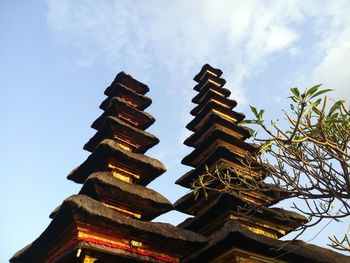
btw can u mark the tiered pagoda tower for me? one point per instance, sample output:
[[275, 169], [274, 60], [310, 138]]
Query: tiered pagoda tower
[[108, 221], [219, 142]]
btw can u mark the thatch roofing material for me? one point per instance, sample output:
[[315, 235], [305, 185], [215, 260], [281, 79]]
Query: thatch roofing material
[[85, 210], [209, 110], [218, 155], [118, 106], [203, 70], [129, 82], [216, 120], [191, 204], [206, 81], [141, 101], [115, 126], [233, 235], [230, 201], [110, 150], [210, 88], [88, 210], [218, 134], [149, 203], [210, 96]]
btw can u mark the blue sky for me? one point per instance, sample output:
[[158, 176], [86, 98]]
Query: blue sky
[[57, 57]]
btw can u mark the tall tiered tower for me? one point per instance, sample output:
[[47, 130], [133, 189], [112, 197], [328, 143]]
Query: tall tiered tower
[[108, 221], [219, 142]]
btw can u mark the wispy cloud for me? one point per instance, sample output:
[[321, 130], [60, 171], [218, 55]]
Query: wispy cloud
[[178, 36]]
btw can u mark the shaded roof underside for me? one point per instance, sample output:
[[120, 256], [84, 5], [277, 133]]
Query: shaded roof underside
[[83, 209], [110, 150], [233, 235], [230, 201], [102, 185], [115, 126]]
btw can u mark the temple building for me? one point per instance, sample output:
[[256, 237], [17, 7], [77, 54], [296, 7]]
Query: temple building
[[110, 219], [234, 234], [219, 143]]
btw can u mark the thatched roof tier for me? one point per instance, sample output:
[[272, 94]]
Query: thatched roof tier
[[136, 100], [191, 204], [219, 137], [210, 89], [207, 70], [215, 122], [119, 108], [102, 186], [128, 81], [208, 80], [146, 167], [229, 206], [115, 128], [54, 212], [234, 240], [209, 111], [81, 210], [214, 97], [222, 157]]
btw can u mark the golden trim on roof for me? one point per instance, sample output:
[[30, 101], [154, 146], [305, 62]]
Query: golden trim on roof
[[125, 143], [128, 118], [215, 91], [89, 259], [122, 173], [123, 211], [207, 71]]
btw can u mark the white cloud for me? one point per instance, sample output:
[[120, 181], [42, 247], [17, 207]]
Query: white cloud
[[334, 71], [180, 35], [332, 66], [171, 40], [176, 38]]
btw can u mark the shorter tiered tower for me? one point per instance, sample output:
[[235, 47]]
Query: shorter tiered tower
[[219, 142], [108, 221]]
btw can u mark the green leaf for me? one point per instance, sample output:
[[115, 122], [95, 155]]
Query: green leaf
[[335, 107], [311, 91], [254, 110], [317, 102], [295, 91], [321, 92], [247, 122], [294, 98], [335, 115]]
